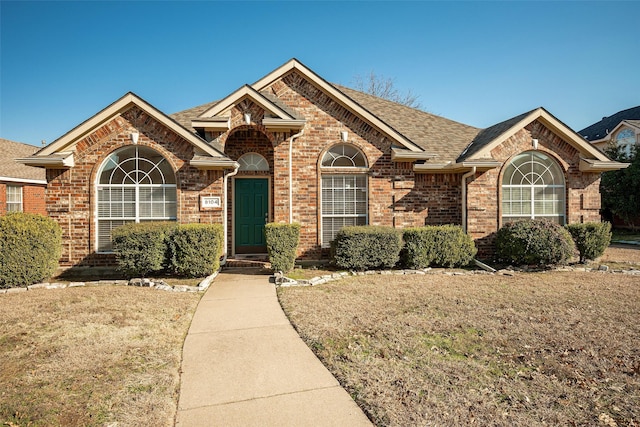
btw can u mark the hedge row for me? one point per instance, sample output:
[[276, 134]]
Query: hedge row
[[544, 243], [190, 250], [30, 247], [370, 247]]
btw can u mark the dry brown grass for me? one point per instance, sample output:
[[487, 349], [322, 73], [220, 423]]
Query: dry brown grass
[[92, 356], [551, 348]]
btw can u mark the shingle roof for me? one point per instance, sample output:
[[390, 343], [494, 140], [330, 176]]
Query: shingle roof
[[601, 129], [434, 134], [486, 136], [10, 151], [184, 117]]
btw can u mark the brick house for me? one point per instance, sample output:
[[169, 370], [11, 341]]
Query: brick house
[[21, 187], [293, 147]]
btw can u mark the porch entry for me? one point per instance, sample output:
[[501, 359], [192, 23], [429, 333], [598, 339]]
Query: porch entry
[[251, 198]]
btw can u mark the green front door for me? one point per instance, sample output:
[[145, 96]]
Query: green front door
[[252, 208]]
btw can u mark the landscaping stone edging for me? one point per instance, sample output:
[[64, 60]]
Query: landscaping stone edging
[[283, 281], [158, 284]]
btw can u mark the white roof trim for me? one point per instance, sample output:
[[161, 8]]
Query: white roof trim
[[23, 180], [338, 96], [570, 136], [590, 165], [63, 160], [69, 140], [451, 167], [245, 91]]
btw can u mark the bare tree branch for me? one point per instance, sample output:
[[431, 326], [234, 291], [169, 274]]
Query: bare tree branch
[[384, 87]]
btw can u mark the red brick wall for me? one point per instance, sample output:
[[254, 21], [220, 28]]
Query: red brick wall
[[397, 197], [484, 192], [32, 198], [71, 193]]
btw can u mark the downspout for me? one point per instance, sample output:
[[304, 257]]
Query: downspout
[[225, 224], [464, 214], [291, 172], [464, 197]]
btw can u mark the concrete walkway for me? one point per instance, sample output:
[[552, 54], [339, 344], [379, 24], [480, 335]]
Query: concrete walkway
[[244, 364]]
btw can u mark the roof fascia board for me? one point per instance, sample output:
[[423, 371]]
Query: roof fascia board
[[63, 160], [337, 95], [22, 180], [554, 124], [211, 163], [282, 124], [235, 97], [400, 155], [590, 165], [217, 123], [451, 167], [116, 108]]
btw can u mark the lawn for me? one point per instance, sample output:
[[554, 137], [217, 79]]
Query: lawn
[[92, 356], [553, 348]]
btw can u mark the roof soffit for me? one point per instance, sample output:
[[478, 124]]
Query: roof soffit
[[67, 142], [555, 125], [338, 96]]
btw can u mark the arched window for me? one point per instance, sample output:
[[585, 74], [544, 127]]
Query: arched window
[[135, 184], [533, 188], [344, 190], [626, 140], [344, 155], [253, 162]]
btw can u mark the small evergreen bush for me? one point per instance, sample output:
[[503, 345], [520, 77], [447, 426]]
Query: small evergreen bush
[[282, 245], [534, 242], [591, 238], [30, 247], [195, 249], [142, 248], [366, 247], [441, 245]]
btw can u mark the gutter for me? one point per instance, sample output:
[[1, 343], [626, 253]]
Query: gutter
[[225, 180], [464, 197], [299, 134]]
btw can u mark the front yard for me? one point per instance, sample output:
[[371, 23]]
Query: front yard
[[92, 356], [553, 348]]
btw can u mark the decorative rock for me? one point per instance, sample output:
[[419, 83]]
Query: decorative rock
[[76, 284], [38, 286], [603, 268], [56, 286], [15, 290], [163, 288]]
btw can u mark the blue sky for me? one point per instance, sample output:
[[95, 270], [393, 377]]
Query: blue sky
[[475, 62]]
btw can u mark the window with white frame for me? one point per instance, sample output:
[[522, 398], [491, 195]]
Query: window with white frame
[[344, 190], [253, 162], [14, 198], [626, 140], [533, 187], [135, 184]]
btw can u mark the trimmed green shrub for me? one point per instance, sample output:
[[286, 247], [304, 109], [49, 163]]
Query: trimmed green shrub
[[30, 247], [282, 245], [591, 238], [142, 248], [366, 247], [534, 242], [440, 245], [195, 249]]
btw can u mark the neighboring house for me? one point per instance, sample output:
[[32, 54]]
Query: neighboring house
[[293, 147], [621, 129], [21, 187]]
